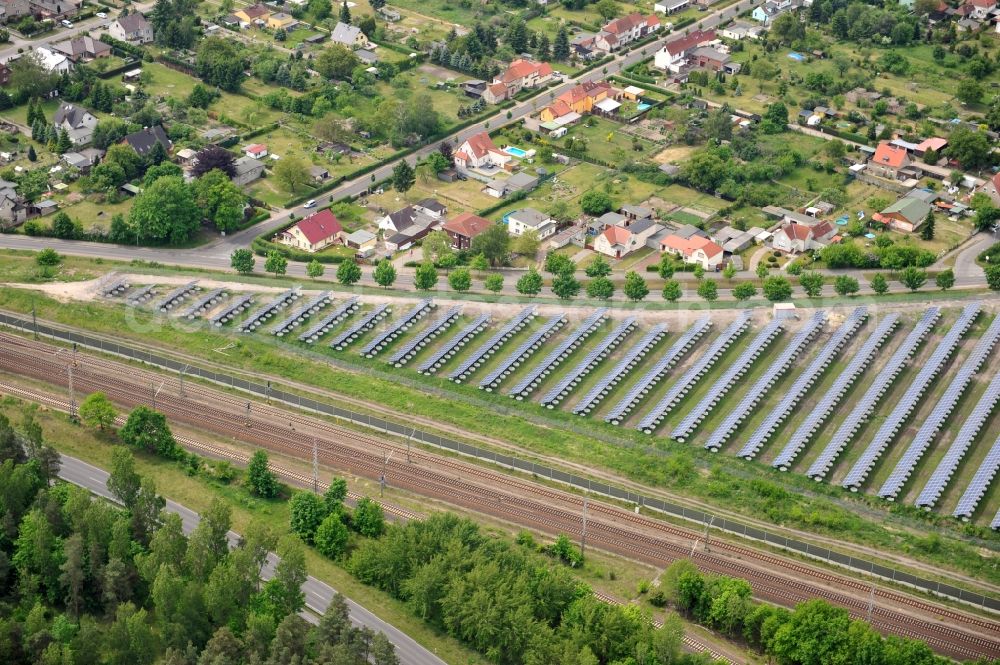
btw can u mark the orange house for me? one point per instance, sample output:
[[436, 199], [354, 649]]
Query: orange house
[[580, 99]]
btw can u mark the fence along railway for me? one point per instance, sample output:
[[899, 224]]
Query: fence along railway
[[774, 579]]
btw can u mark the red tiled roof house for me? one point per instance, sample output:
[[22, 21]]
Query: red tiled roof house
[[463, 228], [315, 232], [479, 151], [888, 161], [696, 249]]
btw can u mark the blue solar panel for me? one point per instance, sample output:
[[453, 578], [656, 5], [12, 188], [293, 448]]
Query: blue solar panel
[[910, 399], [979, 484], [530, 381], [883, 381], [396, 328], [360, 327], [302, 313], [815, 418], [944, 407], [259, 317], [453, 345], [803, 383], [588, 363], [403, 354], [621, 370], [229, 312], [725, 382], [660, 368], [506, 366], [963, 441], [331, 319], [690, 378], [490, 346]]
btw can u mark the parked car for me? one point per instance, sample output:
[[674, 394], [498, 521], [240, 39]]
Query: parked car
[[66, 24], [311, 203], [101, 15]]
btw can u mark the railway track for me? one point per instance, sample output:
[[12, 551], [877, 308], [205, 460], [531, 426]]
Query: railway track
[[774, 579]]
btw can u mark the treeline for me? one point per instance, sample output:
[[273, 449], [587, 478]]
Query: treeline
[[83, 582]]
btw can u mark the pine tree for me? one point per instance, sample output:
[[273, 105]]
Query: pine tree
[[345, 13], [64, 145], [39, 113], [543, 47], [31, 113], [31, 153], [927, 233], [560, 50]]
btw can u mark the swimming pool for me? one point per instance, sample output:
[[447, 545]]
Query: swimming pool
[[644, 106], [796, 56], [516, 152]]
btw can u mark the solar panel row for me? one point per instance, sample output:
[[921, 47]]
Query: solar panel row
[[725, 382], [115, 288], [360, 327], [412, 347], [573, 378], [631, 358], [329, 320], [174, 298], [883, 380], [908, 402], [396, 328], [818, 415], [258, 318], [979, 484], [141, 295], [300, 314], [803, 383], [492, 345], [774, 371], [453, 345], [202, 304], [231, 310], [963, 441], [655, 374], [506, 366], [530, 381], [944, 407]]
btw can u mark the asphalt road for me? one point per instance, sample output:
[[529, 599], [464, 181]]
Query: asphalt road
[[318, 594]]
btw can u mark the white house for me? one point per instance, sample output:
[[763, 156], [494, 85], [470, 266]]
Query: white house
[[318, 230], [530, 219], [78, 122], [132, 28], [349, 36], [53, 61], [694, 249], [620, 240], [674, 54], [479, 151]]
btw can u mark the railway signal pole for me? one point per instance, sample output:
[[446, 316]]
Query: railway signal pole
[[707, 527], [315, 468], [182, 373], [583, 535], [72, 394], [871, 602]]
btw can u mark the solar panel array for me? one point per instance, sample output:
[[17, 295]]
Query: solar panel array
[[530, 381], [725, 382], [963, 441], [522, 353], [412, 347], [300, 314], [995, 524], [329, 320], [229, 312], [453, 345], [979, 484], [360, 327], [258, 318], [174, 298], [492, 345], [115, 288], [611, 379], [775, 370], [803, 383], [396, 328], [140, 295], [906, 405], [572, 378], [202, 304], [637, 392], [818, 415], [883, 380], [694, 373], [944, 407]]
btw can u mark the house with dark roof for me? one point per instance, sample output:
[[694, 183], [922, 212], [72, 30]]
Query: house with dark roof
[[144, 140], [78, 122], [349, 36], [313, 233], [674, 55], [463, 228], [132, 28], [521, 221], [246, 170], [82, 49]]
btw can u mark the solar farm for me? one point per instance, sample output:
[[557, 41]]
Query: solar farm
[[899, 403]]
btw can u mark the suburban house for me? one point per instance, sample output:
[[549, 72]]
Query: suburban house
[[53, 61], [13, 209], [796, 238], [257, 151], [84, 159], [674, 54], [904, 215], [529, 219], [623, 31], [281, 21], [82, 49], [12, 9], [407, 225], [579, 99], [519, 75], [671, 6], [363, 241], [463, 228], [349, 36], [247, 169], [771, 10], [888, 161], [981, 9], [709, 58], [519, 182], [935, 143], [738, 30], [313, 233], [253, 14], [132, 28], [693, 249], [479, 151], [144, 140], [732, 240], [55, 9], [78, 122], [620, 240], [992, 189]]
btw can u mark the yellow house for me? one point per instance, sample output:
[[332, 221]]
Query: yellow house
[[253, 13], [280, 21]]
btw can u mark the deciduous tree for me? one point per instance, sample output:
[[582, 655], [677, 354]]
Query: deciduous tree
[[261, 480], [97, 411], [530, 283], [635, 288], [425, 276], [384, 274], [242, 260], [348, 272]]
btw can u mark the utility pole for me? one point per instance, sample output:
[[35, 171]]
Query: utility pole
[[152, 391], [315, 468], [72, 394], [381, 479], [34, 320], [182, 372], [248, 414], [707, 526], [583, 535], [871, 602], [267, 392]]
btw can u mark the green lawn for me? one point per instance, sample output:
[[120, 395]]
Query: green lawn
[[607, 142]]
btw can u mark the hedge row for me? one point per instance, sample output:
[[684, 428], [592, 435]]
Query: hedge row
[[124, 47], [260, 130], [128, 66], [262, 247]]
